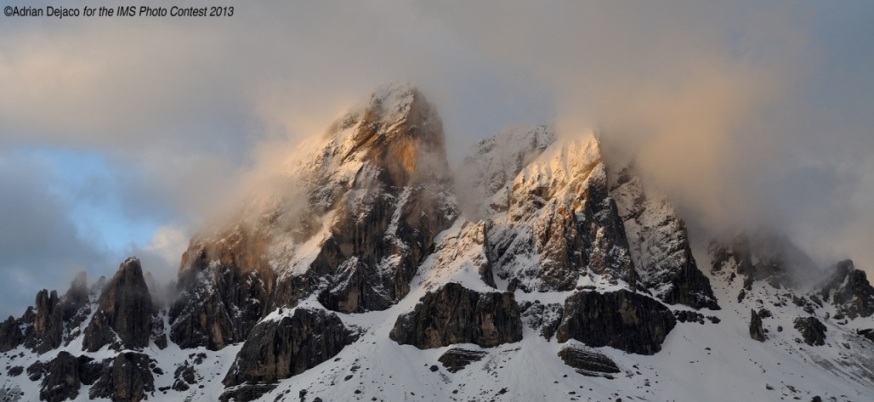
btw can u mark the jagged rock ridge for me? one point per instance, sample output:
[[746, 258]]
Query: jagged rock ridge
[[660, 245], [369, 283], [379, 184]]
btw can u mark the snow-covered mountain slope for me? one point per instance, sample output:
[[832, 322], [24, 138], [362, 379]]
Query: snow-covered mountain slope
[[564, 278]]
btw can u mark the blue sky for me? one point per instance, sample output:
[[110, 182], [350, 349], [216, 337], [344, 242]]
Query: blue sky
[[121, 137], [92, 190]]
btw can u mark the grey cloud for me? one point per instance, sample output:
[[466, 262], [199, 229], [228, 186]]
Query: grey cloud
[[39, 245], [726, 105]]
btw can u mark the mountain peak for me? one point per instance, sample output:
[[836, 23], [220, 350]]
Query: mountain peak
[[362, 259], [395, 100], [398, 132]]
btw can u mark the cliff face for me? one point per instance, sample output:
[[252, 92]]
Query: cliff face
[[286, 344], [559, 217], [660, 245], [622, 319], [124, 311], [374, 272], [850, 290], [454, 314], [552, 223], [371, 197]]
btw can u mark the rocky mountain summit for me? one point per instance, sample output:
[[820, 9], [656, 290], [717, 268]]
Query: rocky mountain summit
[[536, 270]]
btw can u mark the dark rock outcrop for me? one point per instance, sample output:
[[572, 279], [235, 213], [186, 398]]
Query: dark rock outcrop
[[90, 370], [624, 320], [812, 330], [98, 334], [48, 326], [185, 376], [15, 371], [358, 248], [249, 392], [867, 333], [688, 286], [53, 320], [689, 316], [283, 347], [588, 362], [454, 314], [124, 311], [850, 290], [756, 330], [36, 370], [11, 335], [456, 359], [126, 377], [61, 380], [62, 376]]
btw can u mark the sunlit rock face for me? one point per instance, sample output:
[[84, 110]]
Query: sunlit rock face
[[369, 198], [552, 222]]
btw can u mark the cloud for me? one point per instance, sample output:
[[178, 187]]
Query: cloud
[[741, 111], [161, 254], [39, 244]]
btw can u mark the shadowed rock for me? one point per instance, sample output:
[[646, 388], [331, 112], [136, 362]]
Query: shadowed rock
[[10, 334], [455, 314], [811, 329], [283, 347], [53, 319], [456, 359], [224, 290], [850, 290], [126, 377], [47, 330], [588, 362], [124, 311], [61, 381], [622, 319], [756, 330]]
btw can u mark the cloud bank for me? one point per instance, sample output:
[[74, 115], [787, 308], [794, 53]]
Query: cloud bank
[[743, 113]]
